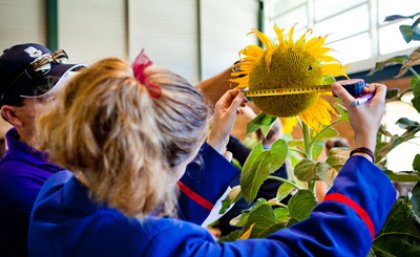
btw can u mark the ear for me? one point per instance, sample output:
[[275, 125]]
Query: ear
[[10, 114]]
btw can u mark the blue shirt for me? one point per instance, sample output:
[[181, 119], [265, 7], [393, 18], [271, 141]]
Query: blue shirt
[[23, 170], [66, 222]]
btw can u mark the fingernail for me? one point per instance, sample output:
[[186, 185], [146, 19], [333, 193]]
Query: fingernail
[[334, 87]]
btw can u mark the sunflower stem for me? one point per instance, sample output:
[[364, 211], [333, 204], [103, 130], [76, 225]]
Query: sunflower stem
[[308, 150]]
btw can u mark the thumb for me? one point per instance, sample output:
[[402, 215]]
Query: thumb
[[342, 94]]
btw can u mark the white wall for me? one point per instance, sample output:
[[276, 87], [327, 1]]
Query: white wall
[[224, 29], [92, 29], [170, 31], [22, 21]]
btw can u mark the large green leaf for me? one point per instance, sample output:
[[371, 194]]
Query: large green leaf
[[265, 221], [301, 205], [390, 61], [400, 235], [261, 121], [317, 149], [328, 80], [415, 199], [416, 102], [231, 237], [259, 164], [413, 59]]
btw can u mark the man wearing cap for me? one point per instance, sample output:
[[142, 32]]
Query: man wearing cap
[[28, 73]]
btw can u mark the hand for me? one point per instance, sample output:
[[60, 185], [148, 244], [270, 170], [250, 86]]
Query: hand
[[224, 116], [365, 119]]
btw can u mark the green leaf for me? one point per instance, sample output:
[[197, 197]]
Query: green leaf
[[231, 237], [392, 93], [416, 102], [233, 196], [317, 149], [398, 17], [407, 32], [413, 59], [407, 124], [344, 115], [301, 205], [283, 191], [281, 214], [294, 143], [259, 164], [325, 133], [264, 221], [305, 170], [400, 236], [328, 80], [416, 162], [415, 199], [403, 176], [262, 120], [390, 61]]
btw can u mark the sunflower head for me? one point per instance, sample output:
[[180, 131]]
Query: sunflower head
[[286, 64]]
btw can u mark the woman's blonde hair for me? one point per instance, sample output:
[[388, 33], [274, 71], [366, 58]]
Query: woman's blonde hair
[[126, 144]]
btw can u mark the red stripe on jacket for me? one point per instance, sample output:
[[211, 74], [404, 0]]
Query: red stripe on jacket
[[337, 197], [194, 196]]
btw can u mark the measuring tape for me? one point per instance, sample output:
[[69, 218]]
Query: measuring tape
[[287, 91], [353, 86]]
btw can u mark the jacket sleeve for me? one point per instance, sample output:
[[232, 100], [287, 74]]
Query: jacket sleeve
[[344, 224], [204, 182]]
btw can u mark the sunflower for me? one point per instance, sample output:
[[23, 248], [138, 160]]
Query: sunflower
[[289, 64]]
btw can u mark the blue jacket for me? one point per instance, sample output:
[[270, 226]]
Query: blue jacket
[[23, 170], [65, 222]]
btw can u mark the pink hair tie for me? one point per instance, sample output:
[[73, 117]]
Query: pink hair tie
[[140, 64]]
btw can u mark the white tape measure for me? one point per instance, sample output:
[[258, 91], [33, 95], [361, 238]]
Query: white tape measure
[[287, 91]]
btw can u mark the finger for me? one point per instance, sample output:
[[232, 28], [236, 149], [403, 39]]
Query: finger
[[380, 93], [237, 102], [228, 97], [370, 88], [342, 94], [228, 155]]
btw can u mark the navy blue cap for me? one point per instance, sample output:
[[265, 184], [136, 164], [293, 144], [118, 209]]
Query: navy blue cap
[[13, 63]]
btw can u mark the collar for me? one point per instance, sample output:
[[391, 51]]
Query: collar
[[20, 151]]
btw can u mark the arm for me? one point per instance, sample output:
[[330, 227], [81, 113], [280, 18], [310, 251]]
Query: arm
[[207, 179], [214, 87]]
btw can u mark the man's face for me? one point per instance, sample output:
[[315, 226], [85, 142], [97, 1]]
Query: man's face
[[28, 113]]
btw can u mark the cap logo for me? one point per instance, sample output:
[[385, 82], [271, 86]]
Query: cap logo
[[33, 52]]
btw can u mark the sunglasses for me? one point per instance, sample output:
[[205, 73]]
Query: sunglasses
[[38, 68]]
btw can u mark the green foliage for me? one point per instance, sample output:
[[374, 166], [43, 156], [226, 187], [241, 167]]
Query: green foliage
[[233, 196], [259, 165], [301, 206], [400, 235], [284, 190], [262, 121], [390, 61]]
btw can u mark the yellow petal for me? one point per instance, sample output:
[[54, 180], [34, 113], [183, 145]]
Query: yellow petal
[[302, 38], [288, 123], [334, 69], [252, 51], [279, 33], [247, 233], [318, 115], [326, 58], [265, 40], [291, 35]]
